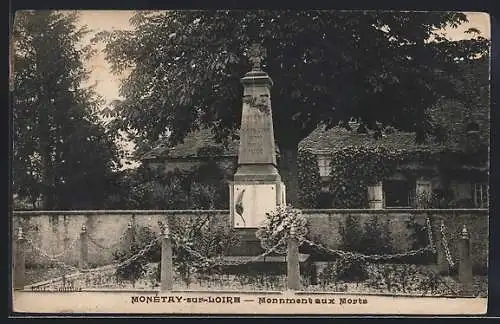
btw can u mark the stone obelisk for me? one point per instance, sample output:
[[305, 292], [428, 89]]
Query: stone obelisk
[[257, 187]]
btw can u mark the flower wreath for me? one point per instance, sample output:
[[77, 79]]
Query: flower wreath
[[277, 226]]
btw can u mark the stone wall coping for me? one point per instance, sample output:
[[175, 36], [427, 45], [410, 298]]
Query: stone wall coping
[[225, 211], [116, 212], [395, 211]]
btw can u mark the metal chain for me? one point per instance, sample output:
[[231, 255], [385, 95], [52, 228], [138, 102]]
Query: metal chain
[[139, 254], [429, 234], [101, 246], [219, 261], [256, 258], [374, 257], [55, 256], [445, 245], [51, 258]]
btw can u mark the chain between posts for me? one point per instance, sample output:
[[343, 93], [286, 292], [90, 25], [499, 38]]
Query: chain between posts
[[103, 247], [373, 257], [429, 233], [56, 256], [51, 258], [445, 245], [218, 261]]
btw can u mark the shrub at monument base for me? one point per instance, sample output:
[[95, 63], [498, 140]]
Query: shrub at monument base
[[279, 225]]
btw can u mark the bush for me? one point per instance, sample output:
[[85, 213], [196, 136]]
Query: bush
[[377, 237], [139, 238], [196, 234], [204, 187], [193, 234], [351, 270], [277, 226], [402, 278], [351, 234]]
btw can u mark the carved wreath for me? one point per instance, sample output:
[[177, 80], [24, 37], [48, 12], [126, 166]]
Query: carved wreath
[[258, 102]]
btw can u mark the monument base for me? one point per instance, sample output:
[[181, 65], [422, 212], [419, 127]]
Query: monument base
[[248, 245]]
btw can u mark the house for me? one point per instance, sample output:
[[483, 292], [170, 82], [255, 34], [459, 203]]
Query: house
[[465, 180]]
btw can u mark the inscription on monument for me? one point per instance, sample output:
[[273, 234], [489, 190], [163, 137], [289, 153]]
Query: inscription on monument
[[255, 132]]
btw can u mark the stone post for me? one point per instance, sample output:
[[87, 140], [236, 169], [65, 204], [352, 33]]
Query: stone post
[[293, 266], [129, 236], [465, 264], [376, 196], [84, 248], [19, 261], [166, 277]]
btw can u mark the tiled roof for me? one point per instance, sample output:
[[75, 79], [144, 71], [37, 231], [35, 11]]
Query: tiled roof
[[320, 141], [190, 146]]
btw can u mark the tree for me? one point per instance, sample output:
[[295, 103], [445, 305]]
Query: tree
[[379, 67], [451, 117], [61, 150]]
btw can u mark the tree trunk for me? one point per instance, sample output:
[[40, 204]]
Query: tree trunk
[[288, 172]]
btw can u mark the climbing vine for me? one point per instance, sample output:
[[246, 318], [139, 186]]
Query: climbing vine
[[309, 180], [353, 169]]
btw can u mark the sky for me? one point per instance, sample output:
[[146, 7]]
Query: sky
[[107, 84]]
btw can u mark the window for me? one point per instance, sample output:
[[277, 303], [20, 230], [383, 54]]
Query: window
[[398, 193], [481, 195], [324, 166]]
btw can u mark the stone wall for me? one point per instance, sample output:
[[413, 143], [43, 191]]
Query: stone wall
[[324, 226], [54, 231]]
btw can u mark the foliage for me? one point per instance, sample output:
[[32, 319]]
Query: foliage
[[197, 234], [351, 233], [344, 269], [61, 150], [353, 169], [451, 117], [278, 225], [418, 236], [377, 237], [193, 234], [309, 180], [137, 239], [317, 58], [372, 238], [403, 278], [349, 270], [203, 187]]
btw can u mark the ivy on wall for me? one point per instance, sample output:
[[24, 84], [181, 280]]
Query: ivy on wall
[[308, 179], [353, 169]]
